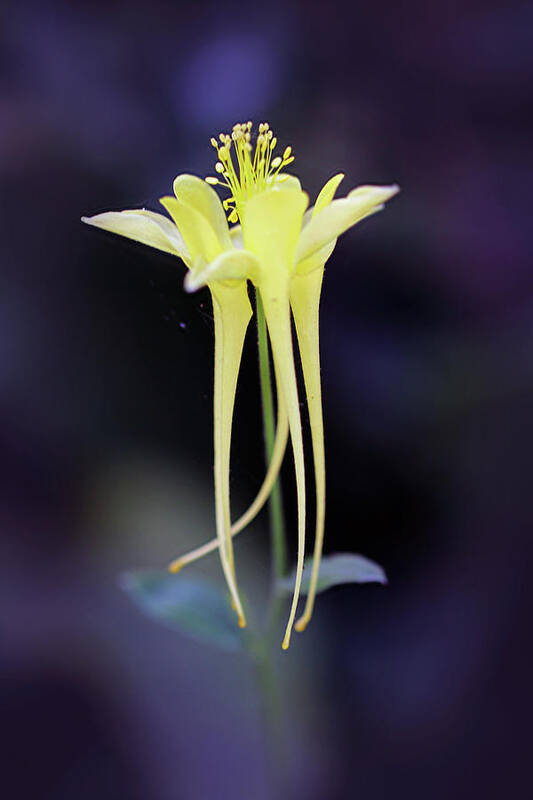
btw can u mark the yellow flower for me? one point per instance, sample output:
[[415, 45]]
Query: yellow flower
[[281, 248]]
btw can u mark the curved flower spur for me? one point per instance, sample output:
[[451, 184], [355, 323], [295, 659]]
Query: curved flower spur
[[282, 249]]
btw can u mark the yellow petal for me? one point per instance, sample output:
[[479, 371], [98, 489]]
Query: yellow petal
[[374, 194], [271, 227], [145, 227], [340, 215], [305, 300], [195, 192], [286, 181], [327, 193], [325, 196], [232, 312], [197, 233], [229, 266], [317, 260]]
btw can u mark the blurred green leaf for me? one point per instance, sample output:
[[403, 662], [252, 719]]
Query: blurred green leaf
[[190, 605], [337, 569]]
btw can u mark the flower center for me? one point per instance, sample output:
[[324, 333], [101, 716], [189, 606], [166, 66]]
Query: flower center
[[254, 171]]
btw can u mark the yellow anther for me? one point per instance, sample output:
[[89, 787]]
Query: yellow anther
[[273, 143], [287, 152], [219, 167], [214, 142], [213, 181], [222, 137], [233, 217], [276, 162]]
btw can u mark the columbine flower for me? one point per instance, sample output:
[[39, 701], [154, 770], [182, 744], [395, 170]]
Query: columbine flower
[[282, 250]]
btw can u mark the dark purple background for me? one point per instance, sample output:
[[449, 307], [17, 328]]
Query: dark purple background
[[422, 689]]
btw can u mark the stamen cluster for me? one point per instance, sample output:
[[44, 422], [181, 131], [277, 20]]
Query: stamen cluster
[[254, 171]]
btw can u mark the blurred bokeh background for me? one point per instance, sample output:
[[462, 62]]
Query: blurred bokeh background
[[420, 689]]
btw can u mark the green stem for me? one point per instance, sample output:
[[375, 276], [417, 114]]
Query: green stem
[[270, 700], [261, 646], [275, 503]]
